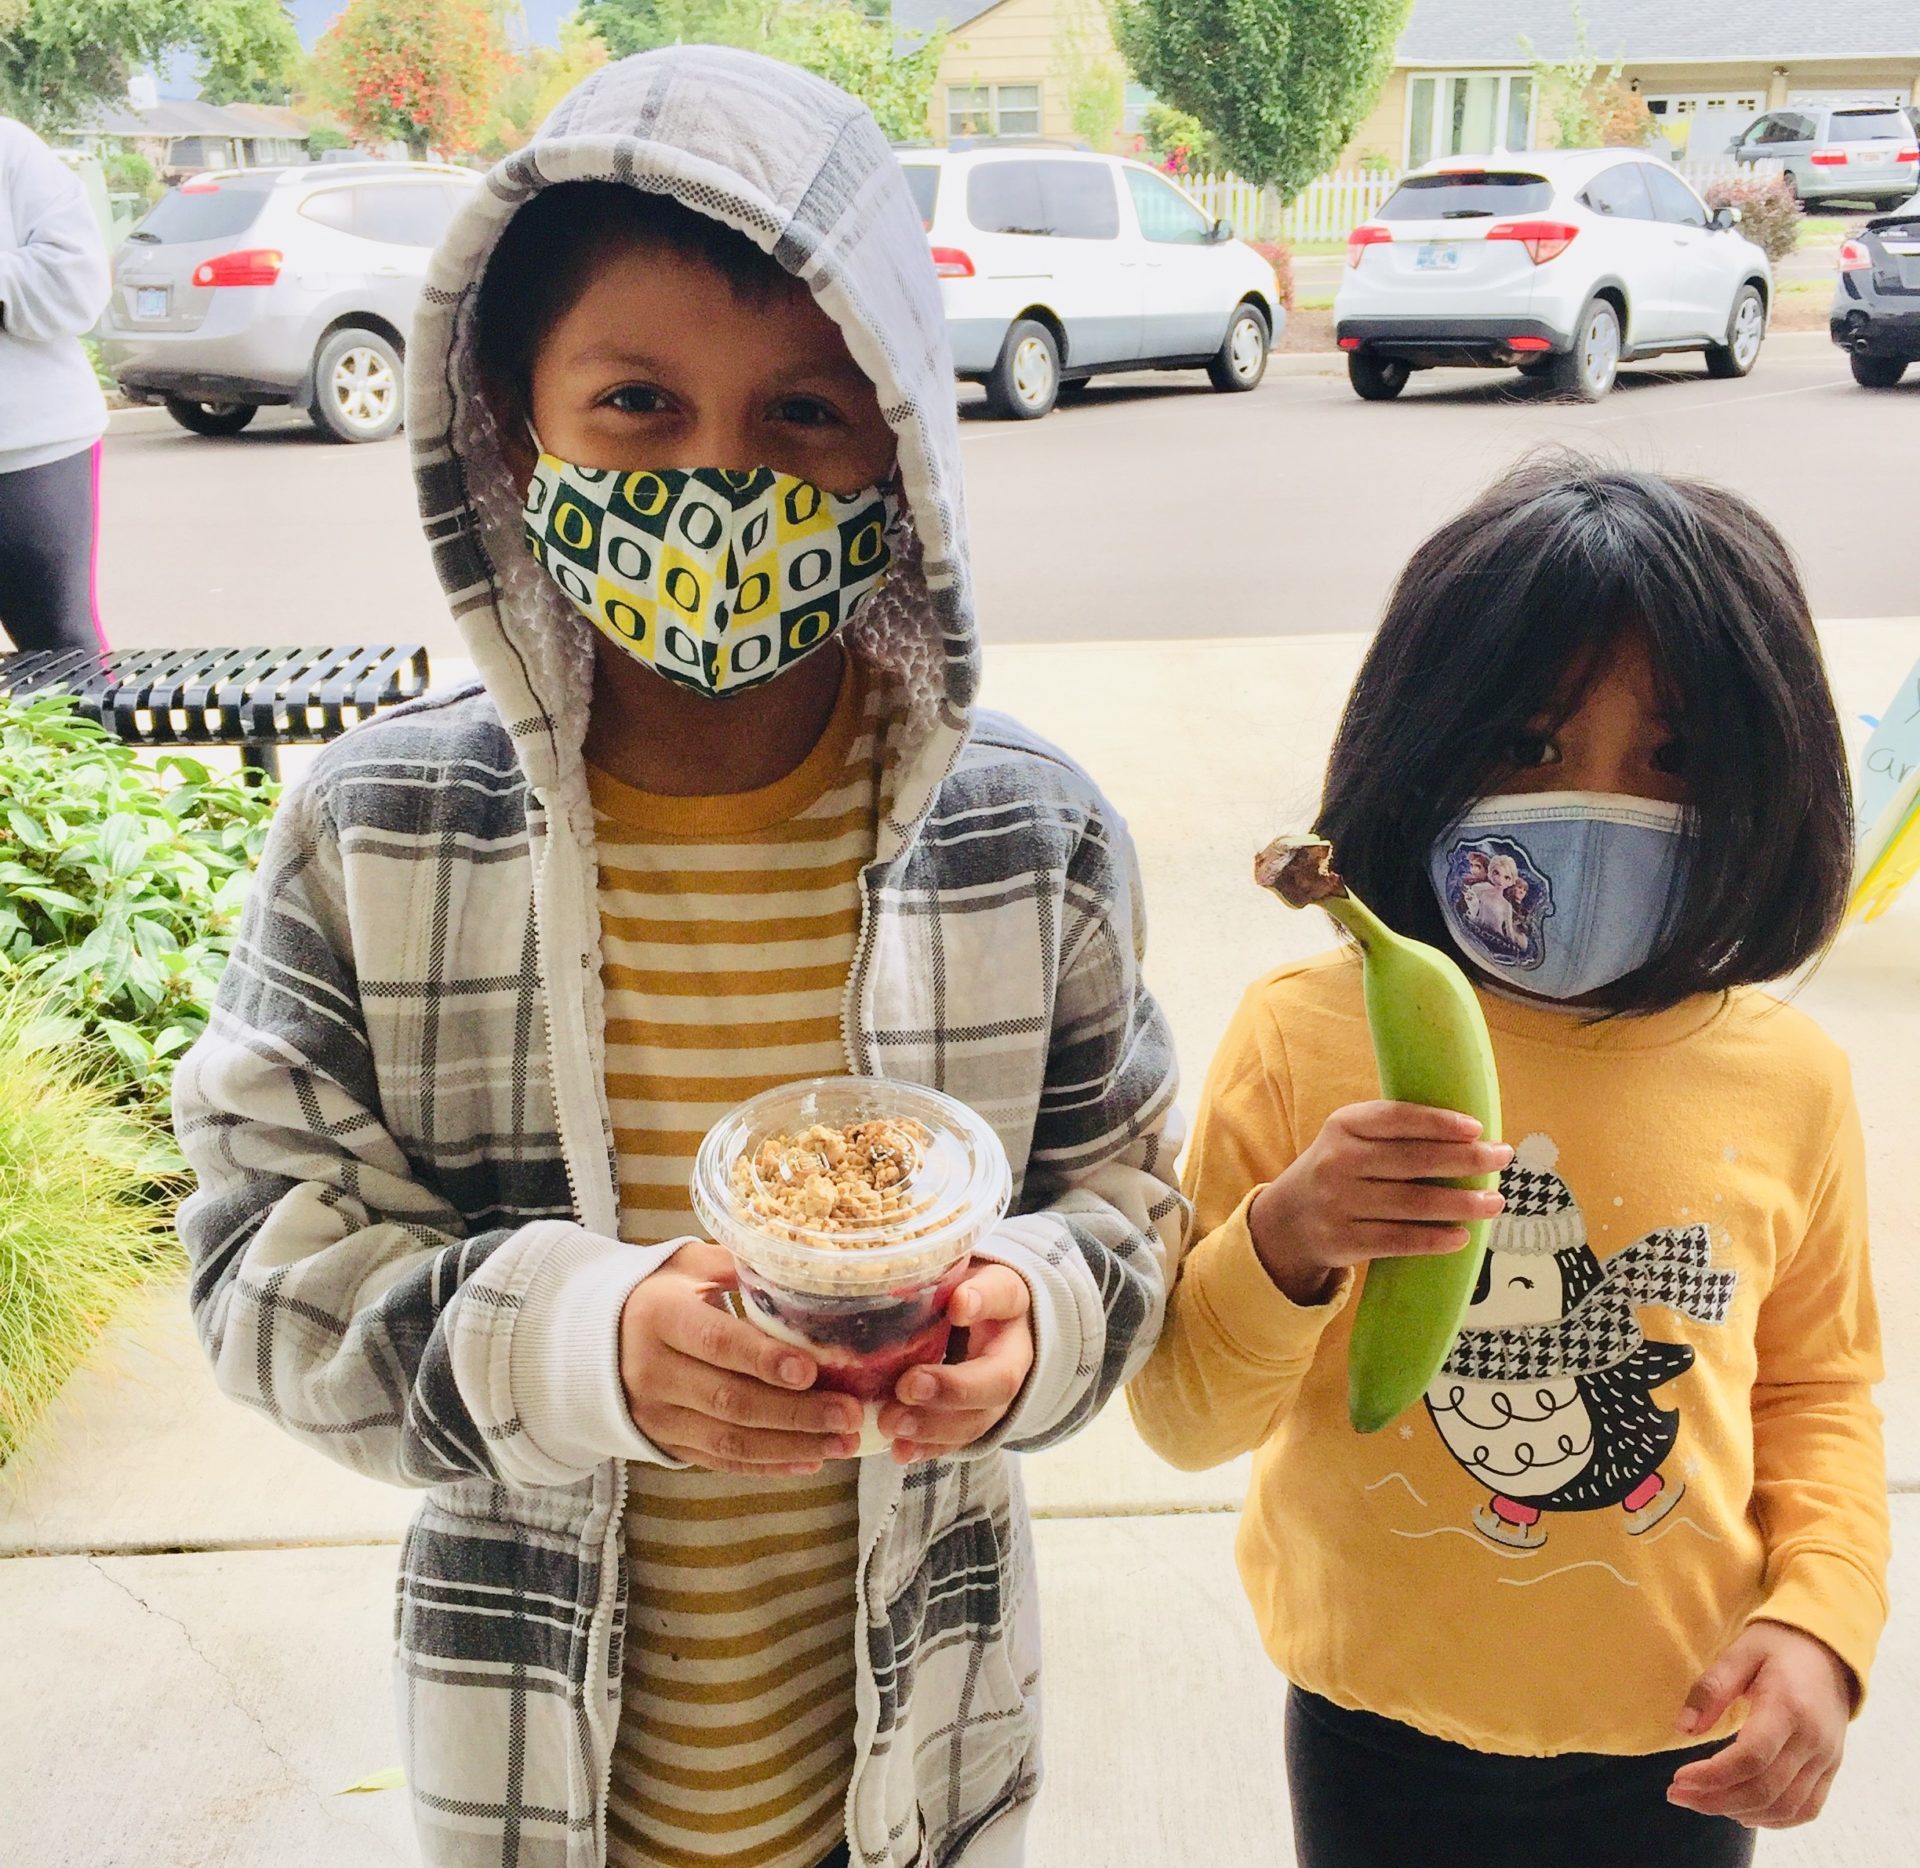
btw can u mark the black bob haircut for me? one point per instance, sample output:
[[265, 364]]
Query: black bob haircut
[[540, 264], [1498, 621]]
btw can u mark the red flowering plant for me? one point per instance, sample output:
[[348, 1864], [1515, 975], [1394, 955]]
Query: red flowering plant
[[419, 72]]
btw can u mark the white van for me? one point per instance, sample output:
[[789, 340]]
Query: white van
[[1058, 265]]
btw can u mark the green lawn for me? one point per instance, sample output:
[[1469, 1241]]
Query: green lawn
[[1821, 229]]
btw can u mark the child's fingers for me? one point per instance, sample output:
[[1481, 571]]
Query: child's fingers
[[1732, 1779], [1382, 1239], [989, 1379], [989, 1294], [1801, 1800], [745, 1401], [1373, 1159], [1729, 1679], [1408, 1122], [1416, 1201], [722, 1447], [718, 1338]]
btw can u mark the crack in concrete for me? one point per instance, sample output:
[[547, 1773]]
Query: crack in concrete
[[292, 1771]]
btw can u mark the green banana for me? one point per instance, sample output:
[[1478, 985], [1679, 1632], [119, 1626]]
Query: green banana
[[1431, 1046]]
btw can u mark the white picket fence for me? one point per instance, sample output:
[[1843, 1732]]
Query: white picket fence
[[1335, 205]]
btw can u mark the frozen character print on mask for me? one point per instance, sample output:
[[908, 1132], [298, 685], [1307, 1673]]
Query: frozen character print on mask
[[1501, 898], [1546, 1397]]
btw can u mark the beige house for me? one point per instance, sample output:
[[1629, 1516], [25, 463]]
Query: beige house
[[1462, 80], [1012, 67]]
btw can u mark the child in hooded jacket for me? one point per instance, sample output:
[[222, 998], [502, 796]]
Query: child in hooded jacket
[[719, 814], [1609, 1597]]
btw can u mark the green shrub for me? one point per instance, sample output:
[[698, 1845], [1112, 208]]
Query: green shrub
[[79, 1229], [325, 136], [128, 172], [120, 887], [1769, 212]]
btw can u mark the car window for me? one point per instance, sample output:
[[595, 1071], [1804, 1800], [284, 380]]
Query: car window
[[1070, 200], [1758, 130], [1866, 126], [1470, 195], [1620, 193], [1166, 215], [1789, 126], [203, 211], [403, 213], [923, 183], [332, 207], [1673, 200]]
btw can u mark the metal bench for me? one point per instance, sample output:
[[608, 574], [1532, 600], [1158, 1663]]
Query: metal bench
[[256, 699]]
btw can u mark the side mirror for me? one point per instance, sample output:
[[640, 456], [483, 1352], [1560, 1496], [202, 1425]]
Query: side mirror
[[1725, 219], [1219, 233], [1735, 147]]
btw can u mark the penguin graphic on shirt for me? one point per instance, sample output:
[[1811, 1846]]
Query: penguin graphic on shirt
[[1547, 1396]]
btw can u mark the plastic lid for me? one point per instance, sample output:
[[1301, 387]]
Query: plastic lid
[[850, 1184]]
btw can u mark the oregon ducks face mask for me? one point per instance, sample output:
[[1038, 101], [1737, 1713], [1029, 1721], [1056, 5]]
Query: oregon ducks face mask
[[716, 580]]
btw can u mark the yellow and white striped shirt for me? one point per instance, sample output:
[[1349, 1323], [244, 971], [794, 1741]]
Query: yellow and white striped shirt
[[728, 927]]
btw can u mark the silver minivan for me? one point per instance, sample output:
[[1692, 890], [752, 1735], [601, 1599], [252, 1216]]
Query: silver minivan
[[246, 288], [1854, 152]]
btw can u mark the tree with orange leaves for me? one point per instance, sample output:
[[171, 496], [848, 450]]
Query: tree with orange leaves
[[420, 72]]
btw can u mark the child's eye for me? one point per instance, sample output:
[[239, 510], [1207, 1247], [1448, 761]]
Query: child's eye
[[1672, 757], [1532, 749], [634, 399], [805, 412]]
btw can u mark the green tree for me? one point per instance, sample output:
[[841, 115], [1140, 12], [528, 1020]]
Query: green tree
[[251, 49], [844, 41], [1585, 98], [1281, 84], [1179, 143], [1096, 79], [62, 60]]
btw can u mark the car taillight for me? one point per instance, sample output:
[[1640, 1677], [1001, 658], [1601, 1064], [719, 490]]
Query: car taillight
[[198, 187], [1854, 256], [1828, 158], [950, 263], [1909, 154], [1362, 237], [1529, 343], [254, 265], [1544, 240]]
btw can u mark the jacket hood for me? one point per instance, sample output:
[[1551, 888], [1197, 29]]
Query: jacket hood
[[804, 172]]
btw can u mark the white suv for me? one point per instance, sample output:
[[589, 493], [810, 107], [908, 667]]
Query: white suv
[[1059, 265], [1563, 263]]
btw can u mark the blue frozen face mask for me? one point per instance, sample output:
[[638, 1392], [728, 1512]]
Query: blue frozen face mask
[[1560, 892]]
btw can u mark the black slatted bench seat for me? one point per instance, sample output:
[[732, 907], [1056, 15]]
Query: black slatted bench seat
[[256, 699]]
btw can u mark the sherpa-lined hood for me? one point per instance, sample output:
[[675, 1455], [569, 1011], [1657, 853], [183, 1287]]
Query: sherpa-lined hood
[[803, 171]]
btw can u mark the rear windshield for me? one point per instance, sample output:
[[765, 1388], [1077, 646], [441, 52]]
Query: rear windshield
[[1465, 197], [923, 179], [1868, 126], [216, 212]]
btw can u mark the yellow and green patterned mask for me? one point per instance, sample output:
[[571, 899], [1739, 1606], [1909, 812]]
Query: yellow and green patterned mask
[[716, 580]]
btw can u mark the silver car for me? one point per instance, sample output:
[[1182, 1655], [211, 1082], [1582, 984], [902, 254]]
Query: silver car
[[247, 288], [1859, 152]]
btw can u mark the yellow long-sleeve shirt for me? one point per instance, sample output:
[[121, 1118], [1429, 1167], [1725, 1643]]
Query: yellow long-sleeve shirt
[[1656, 1427]]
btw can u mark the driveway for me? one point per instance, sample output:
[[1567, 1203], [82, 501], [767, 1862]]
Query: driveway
[[1156, 508]]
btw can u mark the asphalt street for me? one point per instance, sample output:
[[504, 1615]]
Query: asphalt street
[[1154, 509]]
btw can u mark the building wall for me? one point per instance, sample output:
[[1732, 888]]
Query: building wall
[[1383, 131], [1024, 42]]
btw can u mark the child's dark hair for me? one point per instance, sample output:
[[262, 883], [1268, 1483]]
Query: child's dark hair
[[1498, 620], [539, 268]]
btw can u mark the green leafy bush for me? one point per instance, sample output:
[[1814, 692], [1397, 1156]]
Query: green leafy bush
[[1769, 212], [120, 887], [79, 1228]]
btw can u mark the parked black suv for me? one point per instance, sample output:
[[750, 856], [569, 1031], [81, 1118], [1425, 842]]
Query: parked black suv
[[1876, 306]]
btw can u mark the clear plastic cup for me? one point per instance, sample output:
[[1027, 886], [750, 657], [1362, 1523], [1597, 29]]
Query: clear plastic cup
[[863, 1285]]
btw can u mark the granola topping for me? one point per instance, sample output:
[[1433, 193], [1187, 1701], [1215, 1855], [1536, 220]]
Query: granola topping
[[836, 1186]]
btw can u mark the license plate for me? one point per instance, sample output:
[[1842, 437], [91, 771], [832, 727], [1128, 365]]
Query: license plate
[[150, 301], [1872, 158], [1437, 259]]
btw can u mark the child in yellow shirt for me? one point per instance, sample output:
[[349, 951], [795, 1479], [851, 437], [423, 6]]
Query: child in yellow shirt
[[1592, 751]]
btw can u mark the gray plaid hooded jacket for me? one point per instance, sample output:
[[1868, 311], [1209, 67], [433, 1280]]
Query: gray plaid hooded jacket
[[403, 1238]]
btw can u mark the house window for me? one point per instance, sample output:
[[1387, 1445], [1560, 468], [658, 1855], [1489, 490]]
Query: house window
[[993, 110], [1468, 113]]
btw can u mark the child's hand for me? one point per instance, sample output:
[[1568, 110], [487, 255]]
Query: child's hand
[[947, 1405], [708, 1388], [1778, 1771], [1359, 1192]]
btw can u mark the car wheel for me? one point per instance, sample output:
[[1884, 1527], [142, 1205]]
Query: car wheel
[[1377, 379], [1025, 383], [1242, 358], [1876, 372], [1746, 330], [1534, 366], [211, 418], [358, 387], [1589, 369]]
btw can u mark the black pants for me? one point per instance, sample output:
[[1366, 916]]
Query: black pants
[[47, 521], [838, 1859], [1371, 1793]]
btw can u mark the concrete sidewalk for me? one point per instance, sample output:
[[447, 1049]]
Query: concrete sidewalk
[[199, 1611]]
